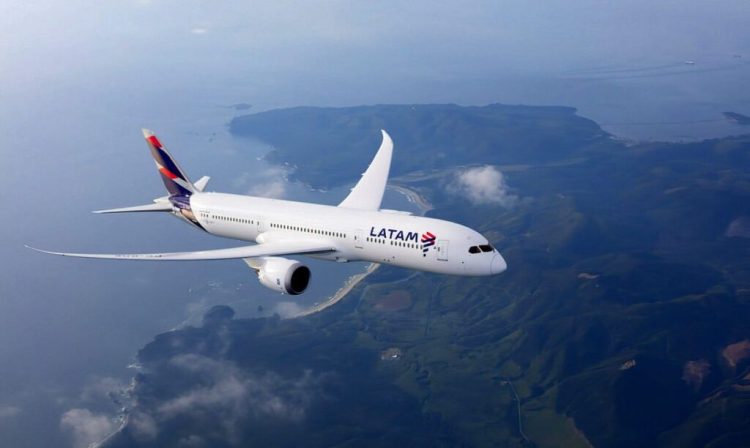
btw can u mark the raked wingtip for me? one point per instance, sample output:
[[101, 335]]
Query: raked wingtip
[[34, 248]]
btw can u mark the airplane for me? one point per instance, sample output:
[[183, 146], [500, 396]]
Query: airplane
[[355, 230]]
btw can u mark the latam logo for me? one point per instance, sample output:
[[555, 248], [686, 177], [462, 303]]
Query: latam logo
[[394, 234], [428, 239]]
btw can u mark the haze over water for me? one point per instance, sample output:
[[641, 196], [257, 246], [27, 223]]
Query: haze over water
[[79, 80]]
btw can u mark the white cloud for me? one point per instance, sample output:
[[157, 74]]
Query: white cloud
[[269, 183], [103, 387], [242, 180], [225, 392], [199, 30], [233, 396], [483, 185], [143, 426], [7, 411], [86, 427], [274, 189], [740, 227], [285, 310], [230, 387]]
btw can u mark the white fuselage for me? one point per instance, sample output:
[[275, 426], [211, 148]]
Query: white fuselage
[[393, 238]]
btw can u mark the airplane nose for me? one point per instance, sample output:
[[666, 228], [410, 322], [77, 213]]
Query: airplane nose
[[498, 265]]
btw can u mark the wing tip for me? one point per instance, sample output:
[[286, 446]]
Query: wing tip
[[387, 140], [40, 250]]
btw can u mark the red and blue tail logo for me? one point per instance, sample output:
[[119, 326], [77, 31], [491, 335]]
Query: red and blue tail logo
[[173, 177], [428, 239]]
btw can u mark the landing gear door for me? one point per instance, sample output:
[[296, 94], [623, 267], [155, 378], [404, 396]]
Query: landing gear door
[[442, 250]]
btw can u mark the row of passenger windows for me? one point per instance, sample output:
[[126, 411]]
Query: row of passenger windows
[[233, 219], [480, 248], [394, 243], [282, 226], [309, 230]]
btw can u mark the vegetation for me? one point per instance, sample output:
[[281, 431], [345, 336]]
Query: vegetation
[[620, 321], [328, 142]]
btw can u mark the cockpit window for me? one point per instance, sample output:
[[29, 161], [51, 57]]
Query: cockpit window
[[474, 250], [486, 248]]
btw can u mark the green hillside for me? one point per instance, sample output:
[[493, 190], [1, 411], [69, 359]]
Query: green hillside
[[328, 142], [623, 318]]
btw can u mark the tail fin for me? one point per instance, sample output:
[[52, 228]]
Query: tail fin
[[173, 177]]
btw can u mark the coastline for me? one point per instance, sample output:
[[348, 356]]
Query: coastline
[[350, 283], [423, 204]]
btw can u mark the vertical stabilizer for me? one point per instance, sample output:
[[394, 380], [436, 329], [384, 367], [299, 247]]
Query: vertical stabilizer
[[173, 177]]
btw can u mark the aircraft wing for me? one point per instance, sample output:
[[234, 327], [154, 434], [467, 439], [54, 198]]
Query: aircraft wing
[[155, 207], [368, 193], [273, 248]]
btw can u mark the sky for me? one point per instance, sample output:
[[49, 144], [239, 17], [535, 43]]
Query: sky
[[79, 79], [289, 53]]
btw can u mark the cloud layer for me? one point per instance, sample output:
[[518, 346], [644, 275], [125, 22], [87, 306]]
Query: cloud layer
[[223, 401], [483, 185], [269, 183], [286, 310], [86, 427]]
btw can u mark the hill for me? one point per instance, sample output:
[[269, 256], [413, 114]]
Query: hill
[[327, 142], [621, 321]]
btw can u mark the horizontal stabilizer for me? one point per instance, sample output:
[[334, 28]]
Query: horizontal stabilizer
[[155, 207], [276, 248], [200, 184]]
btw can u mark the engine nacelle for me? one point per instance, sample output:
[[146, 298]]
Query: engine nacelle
[[282, 274]]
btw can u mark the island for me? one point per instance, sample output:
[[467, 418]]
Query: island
[[621, 320]]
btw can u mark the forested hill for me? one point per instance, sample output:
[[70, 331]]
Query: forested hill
[[331, 146], [622, 319]]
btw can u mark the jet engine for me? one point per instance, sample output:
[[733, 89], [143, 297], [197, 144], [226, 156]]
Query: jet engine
[[281, 274]]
